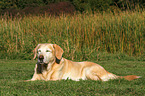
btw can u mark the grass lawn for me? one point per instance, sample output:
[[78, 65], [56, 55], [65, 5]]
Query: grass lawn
[[14, 72]]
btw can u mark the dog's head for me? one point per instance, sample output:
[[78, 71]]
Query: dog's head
[[48, 53]]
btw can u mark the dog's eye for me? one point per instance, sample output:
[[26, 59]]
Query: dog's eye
[[39, 50], [47, 50]]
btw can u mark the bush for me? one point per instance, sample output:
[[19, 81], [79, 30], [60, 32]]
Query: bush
[[129, 4], [50, 9], [6, 4], [54, 1], [29, 3], [80, 5], [92, 5]]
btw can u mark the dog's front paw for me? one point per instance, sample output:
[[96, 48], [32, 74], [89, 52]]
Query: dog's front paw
[[28, 80]]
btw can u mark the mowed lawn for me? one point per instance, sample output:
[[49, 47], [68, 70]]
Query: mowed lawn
[[14, 72]]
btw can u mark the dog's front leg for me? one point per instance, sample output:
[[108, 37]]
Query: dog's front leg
[[36, 76]]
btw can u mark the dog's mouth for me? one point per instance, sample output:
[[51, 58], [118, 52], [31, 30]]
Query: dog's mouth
[[42, 63]]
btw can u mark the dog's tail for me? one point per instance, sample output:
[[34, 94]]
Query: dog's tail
[[113, 76], [129, 77]]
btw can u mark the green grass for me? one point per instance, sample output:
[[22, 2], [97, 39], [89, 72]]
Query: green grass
[[79, 35], [14, 72]]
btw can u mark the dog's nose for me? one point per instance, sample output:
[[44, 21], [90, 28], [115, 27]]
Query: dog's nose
[[41, 57]]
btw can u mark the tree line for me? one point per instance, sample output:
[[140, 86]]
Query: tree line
[[79, 5]]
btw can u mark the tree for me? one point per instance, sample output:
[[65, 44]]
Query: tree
[[6, 4]]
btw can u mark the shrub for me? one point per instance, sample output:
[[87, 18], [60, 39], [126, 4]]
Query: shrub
[[92, 5], [50, 9], [129, 4], [29, 3], [6, 4]]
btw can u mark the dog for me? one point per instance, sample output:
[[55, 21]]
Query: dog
[[52, 66]]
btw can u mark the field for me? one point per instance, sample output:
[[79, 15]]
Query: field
[[80, 34], [115, 40], [14, 72]]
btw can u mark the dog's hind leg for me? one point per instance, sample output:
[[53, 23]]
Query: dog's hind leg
[[99, 73], [93, 76], [108, 76]]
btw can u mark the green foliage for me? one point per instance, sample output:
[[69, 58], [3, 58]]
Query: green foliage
[[128, 4], [100, 5], [92, 5], [5, 4], [54, 1], [29, 3], [80, 5], [14, 72]]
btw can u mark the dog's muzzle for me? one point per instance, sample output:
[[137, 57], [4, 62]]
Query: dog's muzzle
[[41, 58]]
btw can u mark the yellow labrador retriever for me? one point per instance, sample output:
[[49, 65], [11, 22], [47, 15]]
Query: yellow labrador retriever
[[51, 66]]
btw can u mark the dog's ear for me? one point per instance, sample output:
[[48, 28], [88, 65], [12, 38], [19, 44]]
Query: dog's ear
[[58, 52], [35, 51]]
